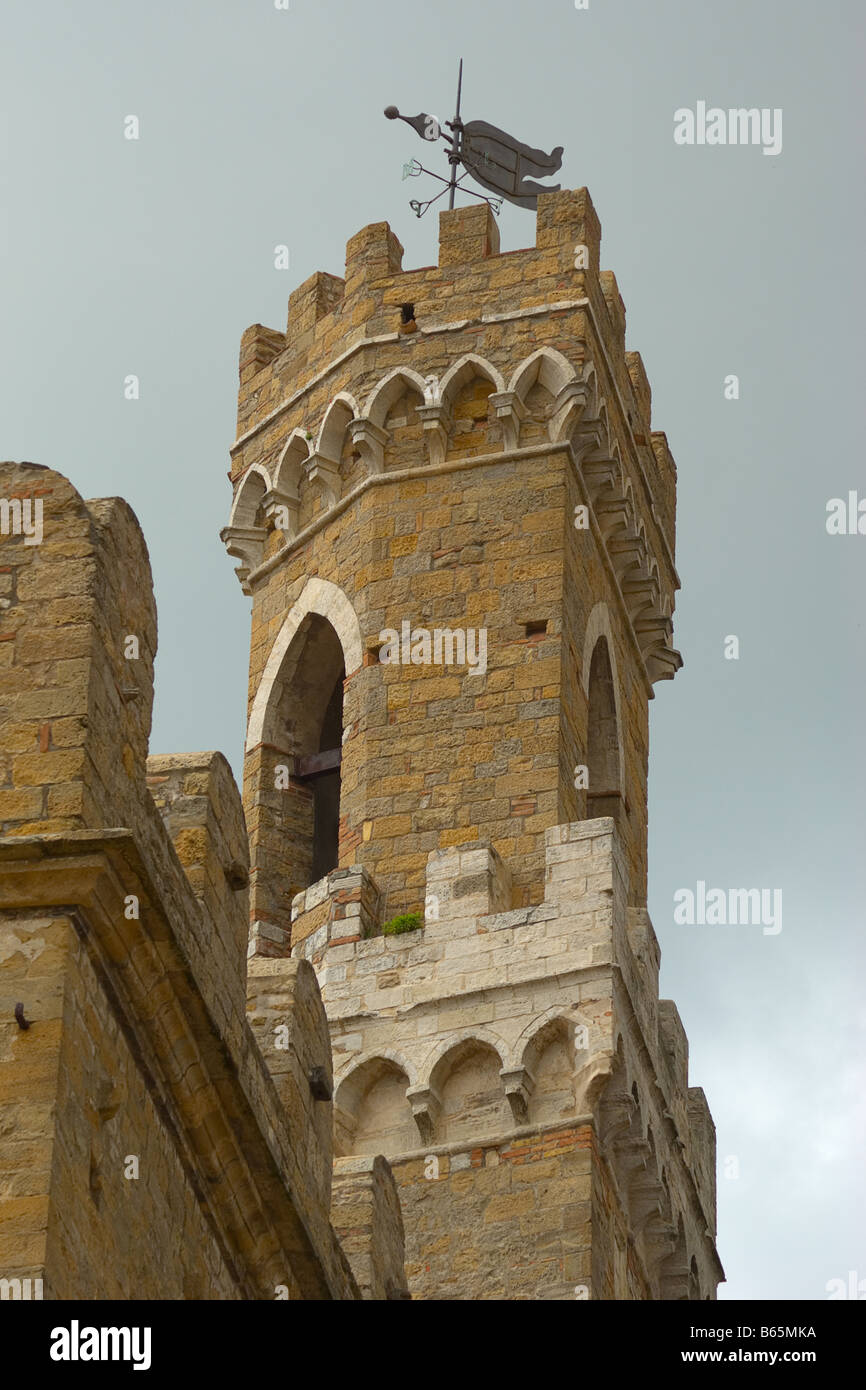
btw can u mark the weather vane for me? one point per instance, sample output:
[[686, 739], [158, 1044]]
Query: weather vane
[[488, 155]]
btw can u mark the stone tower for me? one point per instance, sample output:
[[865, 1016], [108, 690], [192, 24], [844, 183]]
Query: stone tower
[[456, 524]]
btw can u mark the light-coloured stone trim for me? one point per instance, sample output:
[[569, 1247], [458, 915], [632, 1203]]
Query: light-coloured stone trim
[[318, 596]]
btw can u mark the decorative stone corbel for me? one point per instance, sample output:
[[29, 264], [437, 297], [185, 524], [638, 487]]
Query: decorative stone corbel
[[589, 1079], [436, 421], [519, 1085], [425, 1105], [369, 440], [245, 543], [660, 1240], [653, 627], [510, 411], [324, 474], [590, 437], [282, 510], [567, 409], [644, 1203], [617, 1112], [601, 473], [632, 1157], [612, 513], [626, 551], [674, 1282], [662, 663], [639, 590]]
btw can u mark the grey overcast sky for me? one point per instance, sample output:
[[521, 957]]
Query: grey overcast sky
[[261, 127]]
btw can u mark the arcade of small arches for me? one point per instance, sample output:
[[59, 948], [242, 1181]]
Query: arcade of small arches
[[471, 1086], [470, 410]]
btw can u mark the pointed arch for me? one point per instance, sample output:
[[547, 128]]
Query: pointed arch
[[466, 1080], [332, 431], [550, 1063], [532, 1035], [287, 474], [589, 377], [609, 444], [248, 498], [388, 391], [548, 368], [465, 370], [604, 752], [389, 1054], [431, 1072]]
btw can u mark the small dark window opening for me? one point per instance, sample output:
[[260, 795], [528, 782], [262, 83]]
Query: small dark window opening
[[302, 842], [407, 313], [536, 629], [326, 790], [604, 797]]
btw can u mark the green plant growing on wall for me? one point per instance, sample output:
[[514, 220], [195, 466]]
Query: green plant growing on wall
[[407, 921]]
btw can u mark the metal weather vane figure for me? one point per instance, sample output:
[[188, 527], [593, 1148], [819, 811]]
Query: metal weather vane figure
[[495, 160]]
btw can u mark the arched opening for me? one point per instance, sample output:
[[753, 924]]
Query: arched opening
[[405, 430], [465, 389], [549, 1058], [474, 1103], [326, 786], [372, 1114], [604, 794], [311, 719]]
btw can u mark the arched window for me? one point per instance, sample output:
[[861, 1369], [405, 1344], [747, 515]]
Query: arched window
[[293, 783], [311, 714], [604, 795]]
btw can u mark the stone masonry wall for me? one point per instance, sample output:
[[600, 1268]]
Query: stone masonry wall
[[469, 447], [147, 1148], [431, 476], [489, 1039]]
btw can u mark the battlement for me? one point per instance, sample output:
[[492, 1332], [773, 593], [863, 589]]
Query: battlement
[[369, 298], [301, 390], [552, 1012]]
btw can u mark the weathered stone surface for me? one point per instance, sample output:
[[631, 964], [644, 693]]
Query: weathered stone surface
[[150, 1147], [494, 470], [424, 938], [365, 1211]]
